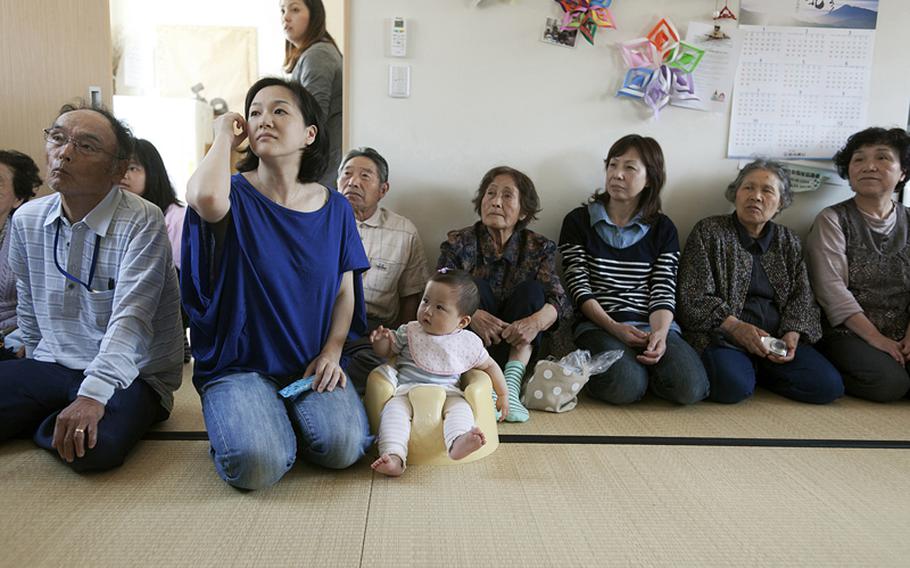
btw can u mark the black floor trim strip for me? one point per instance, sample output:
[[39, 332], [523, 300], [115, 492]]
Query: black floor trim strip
[[640, 441], [687, 441], [184, 436]]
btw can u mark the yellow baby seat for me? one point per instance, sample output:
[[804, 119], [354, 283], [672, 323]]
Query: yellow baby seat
[[426, 445]]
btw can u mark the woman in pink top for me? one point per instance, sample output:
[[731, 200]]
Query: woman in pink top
[[859, 264], [147, 177]]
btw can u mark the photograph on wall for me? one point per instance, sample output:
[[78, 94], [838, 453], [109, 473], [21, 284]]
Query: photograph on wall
[[850, 14], [553, 35]]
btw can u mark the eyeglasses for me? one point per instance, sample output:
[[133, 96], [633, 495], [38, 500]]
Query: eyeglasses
[[58, 138]]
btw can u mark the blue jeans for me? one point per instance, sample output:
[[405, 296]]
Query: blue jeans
[[33, 393], [256, 435], [678, 377], [809, 377]]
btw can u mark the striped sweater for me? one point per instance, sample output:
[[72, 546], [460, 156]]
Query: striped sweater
[[630, 283]]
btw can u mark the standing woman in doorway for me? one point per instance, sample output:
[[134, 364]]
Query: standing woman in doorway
[[312, 58]]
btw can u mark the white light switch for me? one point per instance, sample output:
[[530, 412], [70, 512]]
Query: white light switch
[[399, 81]]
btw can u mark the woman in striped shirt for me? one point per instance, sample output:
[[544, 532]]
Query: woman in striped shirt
[[620, 256]]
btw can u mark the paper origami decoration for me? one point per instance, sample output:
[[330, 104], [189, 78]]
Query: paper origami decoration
[[586, 16], [660, 67], [635, 82], [639, 53], [664, 37]]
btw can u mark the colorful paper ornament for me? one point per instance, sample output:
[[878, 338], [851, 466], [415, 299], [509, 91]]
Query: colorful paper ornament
[[660, 67], [586, 16], [639, 53], [635, 82], [664, 37], [687, 57]]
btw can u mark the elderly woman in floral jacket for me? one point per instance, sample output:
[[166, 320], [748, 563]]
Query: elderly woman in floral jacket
[[515, 271], [742, 282]]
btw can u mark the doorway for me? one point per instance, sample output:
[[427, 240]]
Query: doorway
[[176, 63]]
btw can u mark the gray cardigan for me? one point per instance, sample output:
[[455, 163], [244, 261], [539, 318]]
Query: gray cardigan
[[7, 281], [319, 70], [714, 275]]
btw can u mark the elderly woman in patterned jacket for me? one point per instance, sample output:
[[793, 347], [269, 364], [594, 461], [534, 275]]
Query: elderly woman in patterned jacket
[[515, 270], [859, 262], [744, 297]]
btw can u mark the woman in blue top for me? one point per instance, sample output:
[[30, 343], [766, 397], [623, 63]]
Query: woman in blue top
[[620, 257], [271, 282]]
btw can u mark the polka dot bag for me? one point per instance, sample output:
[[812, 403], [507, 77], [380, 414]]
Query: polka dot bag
[[555, 385]]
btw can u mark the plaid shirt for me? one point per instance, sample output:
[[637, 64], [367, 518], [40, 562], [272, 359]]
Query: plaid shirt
[[398, 266], [526, 256]]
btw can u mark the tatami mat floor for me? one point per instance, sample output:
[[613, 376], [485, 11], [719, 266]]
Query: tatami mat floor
[[529, 504], [526, 505]]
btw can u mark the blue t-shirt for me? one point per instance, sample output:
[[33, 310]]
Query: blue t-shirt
[[268, 306]]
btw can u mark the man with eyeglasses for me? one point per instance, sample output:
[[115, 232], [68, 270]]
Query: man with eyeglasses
[[98, 303]]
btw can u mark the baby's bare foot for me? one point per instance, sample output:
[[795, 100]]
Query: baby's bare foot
[[391, 465], [467, 443]]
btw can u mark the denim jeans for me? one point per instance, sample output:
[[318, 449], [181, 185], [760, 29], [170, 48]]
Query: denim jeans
[[33, 393], [809, 377], [256, 435], [868, 373], [678, 377]]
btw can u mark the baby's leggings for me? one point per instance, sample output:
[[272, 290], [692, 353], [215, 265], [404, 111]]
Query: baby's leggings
[[395, 423]]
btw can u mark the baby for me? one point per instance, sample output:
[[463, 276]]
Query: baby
[[435, 350]]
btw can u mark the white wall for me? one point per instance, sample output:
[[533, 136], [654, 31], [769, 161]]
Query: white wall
[[486, 92]]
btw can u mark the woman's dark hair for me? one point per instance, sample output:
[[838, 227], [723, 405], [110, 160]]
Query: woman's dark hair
[[528, 200], [315, 32], [656, 174], [770, 166], [314, 159], [897, 138], [25, 174], [158, 187], [121, 131], [468, 293]]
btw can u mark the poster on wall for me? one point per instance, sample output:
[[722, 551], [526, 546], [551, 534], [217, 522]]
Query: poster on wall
[[843, 14], [802, 86], [714, 76]]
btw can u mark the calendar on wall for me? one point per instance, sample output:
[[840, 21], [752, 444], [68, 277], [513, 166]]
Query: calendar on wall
[[799, 91]]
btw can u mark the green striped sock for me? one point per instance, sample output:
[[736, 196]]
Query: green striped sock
[[514, 372]]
